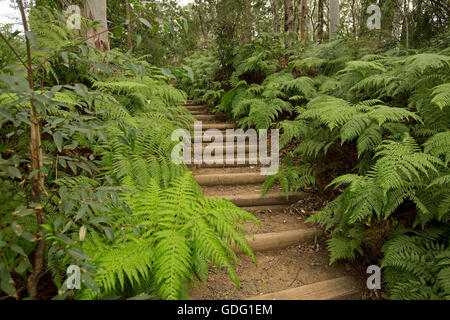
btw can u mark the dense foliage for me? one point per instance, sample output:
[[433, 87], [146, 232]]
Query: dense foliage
[[86, 176], [369, 121], [111, 200]]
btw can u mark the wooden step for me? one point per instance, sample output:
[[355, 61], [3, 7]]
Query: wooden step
[[275, 207], [219, 126], [280, 240], [224, 133], [205, 117], [250, 199], [196, 108], [247, 148], [250, 159], [199, 112], [334, 289], [230, 179]]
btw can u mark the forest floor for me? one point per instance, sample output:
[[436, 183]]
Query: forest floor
[[284, 267]]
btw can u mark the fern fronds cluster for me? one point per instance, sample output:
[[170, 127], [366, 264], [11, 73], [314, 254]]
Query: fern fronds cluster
[[171, 234]]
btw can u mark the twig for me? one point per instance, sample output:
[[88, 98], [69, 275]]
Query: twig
[[13, 50]]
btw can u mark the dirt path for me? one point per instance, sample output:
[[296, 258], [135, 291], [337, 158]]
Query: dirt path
[[292, 256]]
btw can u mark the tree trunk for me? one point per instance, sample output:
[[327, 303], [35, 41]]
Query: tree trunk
[[96, 10], [303, 20], [248, 24], [397, 23], [334, 17], [297, 16], [130, 43], [320, 21], [201, 12], [354, 23], [37, 185], [276, 16], [406, 10], [288, 22]]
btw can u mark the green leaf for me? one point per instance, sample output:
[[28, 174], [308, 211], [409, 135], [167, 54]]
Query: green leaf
[[14, 172], [109, 233], [18, 249], [58, 139], [7, 287], [145, 21]]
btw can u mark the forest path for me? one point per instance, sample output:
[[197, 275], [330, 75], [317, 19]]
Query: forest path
[[292, 256]]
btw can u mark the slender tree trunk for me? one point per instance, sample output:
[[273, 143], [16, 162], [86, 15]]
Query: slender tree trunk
[[320, 21], [397, 23], [288, 22], [248, 24], [297, 16], [36, 164], [406, 10], [303, 20], [276, 16], [96, 10], [354, 23], [334, 17], [201, 12], [127, 8]]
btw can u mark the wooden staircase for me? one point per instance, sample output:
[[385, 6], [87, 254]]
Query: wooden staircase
[[241, 184]]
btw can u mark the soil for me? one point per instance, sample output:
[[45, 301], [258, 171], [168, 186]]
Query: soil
[[295, 266]]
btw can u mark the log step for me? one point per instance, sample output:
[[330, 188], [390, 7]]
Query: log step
[[280, 240], [229, 179], [205, 117], [199, 112], [220, 126], [251, 199], [275, 207], [196, 108], [236, 136], [237, 162], [253, 148], [334, 289]]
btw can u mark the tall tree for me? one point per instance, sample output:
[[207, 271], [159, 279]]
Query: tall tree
[[201, 11], [303, 23], [397, 22], [320, 21], [334, 17], [96, 10], [276, 16], [288, 21], [127, 10], [247, 23]]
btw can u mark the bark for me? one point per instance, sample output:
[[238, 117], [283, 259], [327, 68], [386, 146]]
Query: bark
[[303, 20], [397, 22], [248, 24], [288, 22], [406, 10], [334, 17], [37, 185], [203, 24], [276, 16], [128, 9], [320, 21], [96, 10], [353, 8]]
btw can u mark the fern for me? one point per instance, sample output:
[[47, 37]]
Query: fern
[[173, 231], [417, 266]]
